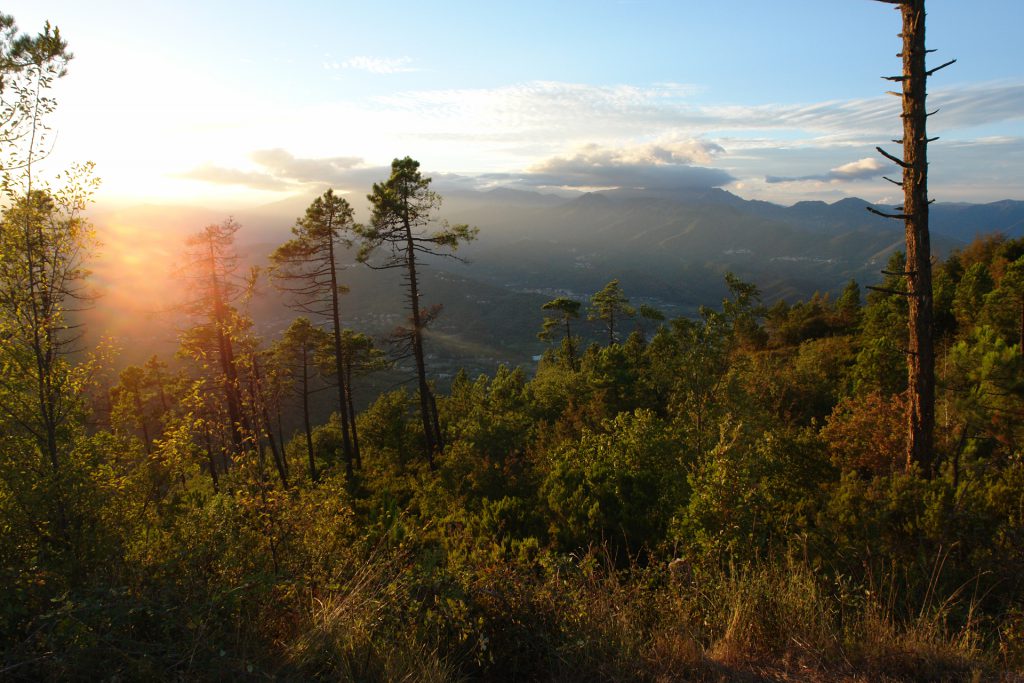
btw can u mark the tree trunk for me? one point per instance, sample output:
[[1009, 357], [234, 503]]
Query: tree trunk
[[264, 416], [350, 406], [313, 476], [346, 439], [921, 361], [427, 414], [225, 353], [212, 459]]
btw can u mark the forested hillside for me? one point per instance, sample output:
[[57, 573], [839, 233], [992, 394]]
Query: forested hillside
[[718, 496]]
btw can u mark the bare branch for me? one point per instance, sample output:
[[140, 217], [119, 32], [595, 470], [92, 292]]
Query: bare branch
[[891, 158], [939, 67], [898, 216]]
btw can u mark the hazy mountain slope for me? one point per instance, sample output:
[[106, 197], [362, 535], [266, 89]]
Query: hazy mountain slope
[[668, 249]]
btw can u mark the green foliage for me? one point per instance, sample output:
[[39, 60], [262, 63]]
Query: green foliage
[[491, 422], [970, 295], [564, 311], [388, 437], [985, 378], [751, 493], [610, 306], [619, 486]]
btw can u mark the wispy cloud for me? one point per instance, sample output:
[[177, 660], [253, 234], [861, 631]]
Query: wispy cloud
[[374, 65], [553, 109]]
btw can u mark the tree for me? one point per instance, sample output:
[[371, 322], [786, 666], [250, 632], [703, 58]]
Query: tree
[[969, 296], [252, 361], [914, 214], [648, 312], [361, 356], [307, 267], [608, 306], [211, 266], [44, 243], [1005, 305], [848, 312], [296, 352], [130, 405], [743, 310], [564, 310], [404, 223], [29, 65]]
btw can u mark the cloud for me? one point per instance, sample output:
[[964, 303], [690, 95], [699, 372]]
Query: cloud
[[657, 154], [665, 166], [541, 133], [549, 111], [374, 65], [220, 175], [281, 171], [282, 164], [862, 169]]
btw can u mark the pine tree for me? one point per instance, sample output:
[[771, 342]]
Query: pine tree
[[307, 267], [564, 310], [610, 306], [404, 227]]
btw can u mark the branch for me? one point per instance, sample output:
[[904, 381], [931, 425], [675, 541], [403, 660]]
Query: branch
[[898, 216], [891, 158], [894, 182], [941, 66]]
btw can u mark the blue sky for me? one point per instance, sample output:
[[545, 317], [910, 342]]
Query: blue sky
[[227, 104]]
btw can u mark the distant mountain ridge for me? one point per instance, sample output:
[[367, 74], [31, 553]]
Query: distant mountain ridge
[[670, 250], [674, 247]]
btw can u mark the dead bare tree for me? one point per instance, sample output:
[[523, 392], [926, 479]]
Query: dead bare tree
[[914, 214]]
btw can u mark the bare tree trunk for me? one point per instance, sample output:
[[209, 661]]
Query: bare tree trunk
[[921, 378], [921, 350]]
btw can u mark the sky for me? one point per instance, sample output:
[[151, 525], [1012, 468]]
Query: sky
[[233, 105]]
